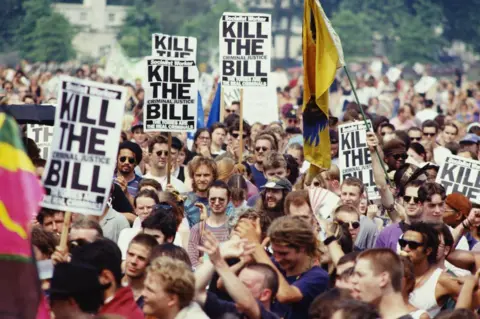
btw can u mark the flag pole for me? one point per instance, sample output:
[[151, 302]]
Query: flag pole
[[366, 123]]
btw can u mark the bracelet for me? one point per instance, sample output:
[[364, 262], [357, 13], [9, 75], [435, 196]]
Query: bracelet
[[329, 240]]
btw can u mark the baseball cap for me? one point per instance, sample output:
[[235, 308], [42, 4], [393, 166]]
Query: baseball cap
[[278, 183], [292, 114], [460, 203], [136, 125], [473, 127], [470, 138]]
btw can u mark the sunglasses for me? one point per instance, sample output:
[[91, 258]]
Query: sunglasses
[[236, 135], [412, 244], [429, 134], [402, 156], [413, 139], [123, 159], [316, 184], [407, 199], [354, 225], [159, 153], [214, 199], [292, 121], [263, 148], [229, 111]]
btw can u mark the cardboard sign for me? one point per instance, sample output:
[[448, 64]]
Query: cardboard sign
[[354, 156], [461, 175], [42, 135], [88, 122], [174, 47], [245, 49], [171, 96], [260, 105], [425, 84]]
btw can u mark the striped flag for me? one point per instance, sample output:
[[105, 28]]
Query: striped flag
[[20, 195]]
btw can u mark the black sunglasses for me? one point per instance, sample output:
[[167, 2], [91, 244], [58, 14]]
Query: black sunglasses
[[415, 139], [429, 134], [407, 199], [236, 135], [263, 148], [159, 153], [316, 184], [354, 225], [402, 156], [412, 244], [131, 160]]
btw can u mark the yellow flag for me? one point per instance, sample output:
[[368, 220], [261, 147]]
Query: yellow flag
[[322, 56]]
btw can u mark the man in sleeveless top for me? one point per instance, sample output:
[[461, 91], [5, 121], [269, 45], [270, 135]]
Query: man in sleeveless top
[[377, 280], [433, 286]]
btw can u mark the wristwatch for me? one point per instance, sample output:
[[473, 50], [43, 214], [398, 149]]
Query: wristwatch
[[329, 240]]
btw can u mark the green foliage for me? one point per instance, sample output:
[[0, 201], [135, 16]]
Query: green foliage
[[193, 18], [355, 31], [10, 19], [44, 35], [405, 28], [52, 40]]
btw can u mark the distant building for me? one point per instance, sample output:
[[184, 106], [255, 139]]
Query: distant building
[[97, 21]]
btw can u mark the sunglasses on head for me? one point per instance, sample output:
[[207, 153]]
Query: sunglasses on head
[[429, 134], [236, 135], [412, 244], [263, 148], [123, 159], [407, 199], [354, 225], [402, 156], [159, 153]]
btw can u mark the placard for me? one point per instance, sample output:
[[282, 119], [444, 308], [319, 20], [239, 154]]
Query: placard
[[174, 47], [88, 122], [245, 49], [171, 96], [461, 175], [42, 135], [354, 156], [206, 84]]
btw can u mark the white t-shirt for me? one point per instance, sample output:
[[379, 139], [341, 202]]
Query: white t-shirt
[[176, 183], [426, 114], [127, 234]]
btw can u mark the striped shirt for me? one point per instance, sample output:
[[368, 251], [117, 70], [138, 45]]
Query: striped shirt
[[195, 240]]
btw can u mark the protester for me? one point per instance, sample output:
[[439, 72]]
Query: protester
[[106, 258], [218, 198], [51, 220], [136, 263], [169, 290], [272, 197]]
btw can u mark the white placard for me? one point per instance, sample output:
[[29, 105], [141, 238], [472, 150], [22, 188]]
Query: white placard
[[245, 49], [425, 84], [461, 175], [42, 135], [260, 105], [88, 122], [171, 96], [354, 156], [174, 47]]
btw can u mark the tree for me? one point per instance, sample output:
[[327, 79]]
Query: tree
[[43, 34], [52, 40], [355, 32], [11, 17]]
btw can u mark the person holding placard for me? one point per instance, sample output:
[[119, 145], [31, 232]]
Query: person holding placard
[[158, 154]]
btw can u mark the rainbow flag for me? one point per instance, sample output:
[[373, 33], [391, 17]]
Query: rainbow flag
[[322, 56], [20, 195]]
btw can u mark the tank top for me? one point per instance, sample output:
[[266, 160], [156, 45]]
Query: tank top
[[417, 314], [424, 297]]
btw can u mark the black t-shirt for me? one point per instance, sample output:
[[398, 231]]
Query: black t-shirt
[[217, 308]]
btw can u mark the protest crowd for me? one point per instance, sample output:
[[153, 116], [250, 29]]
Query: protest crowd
[[236, 219]]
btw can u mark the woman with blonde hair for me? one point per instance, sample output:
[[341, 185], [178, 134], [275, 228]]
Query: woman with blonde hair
[[225, 168]]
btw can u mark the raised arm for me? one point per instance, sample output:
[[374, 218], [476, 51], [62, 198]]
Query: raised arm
[[387, 199]]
